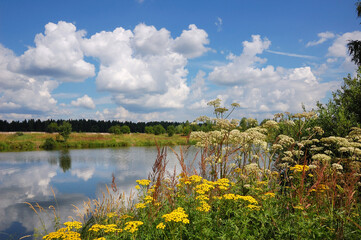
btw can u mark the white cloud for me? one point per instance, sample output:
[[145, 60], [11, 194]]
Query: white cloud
[[324, 36], [191, 42], [241, 69], [264, 90], [145, 68], [57, 55], [339, 46], [290, 54], [85, 102]]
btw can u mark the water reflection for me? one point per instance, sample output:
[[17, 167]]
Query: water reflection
[[74, 176], [65, 160]]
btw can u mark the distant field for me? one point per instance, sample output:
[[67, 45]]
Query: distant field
[[27, 141]]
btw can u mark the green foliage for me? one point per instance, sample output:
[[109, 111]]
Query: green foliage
[[149, 130], [49, 144], [186, 130], [114, 129], [52, 127], [65, 130], [125, 129], [170, 130], [158, 129], [343, 111]]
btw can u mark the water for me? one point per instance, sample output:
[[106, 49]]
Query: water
[[74, 176]]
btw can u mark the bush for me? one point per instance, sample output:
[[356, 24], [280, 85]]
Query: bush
[[125, 129], [170, 130], [114, 129], [158, 129], [49, 144], [149, 130]]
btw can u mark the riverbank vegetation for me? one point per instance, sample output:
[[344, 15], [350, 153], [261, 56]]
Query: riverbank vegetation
[[19, 141], [280, 180]]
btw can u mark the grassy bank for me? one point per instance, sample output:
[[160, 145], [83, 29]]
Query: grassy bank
[[15, 141]]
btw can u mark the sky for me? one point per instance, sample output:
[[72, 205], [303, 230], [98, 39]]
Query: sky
[[158, 60]]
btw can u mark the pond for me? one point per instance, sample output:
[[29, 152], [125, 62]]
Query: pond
[[73, 176]]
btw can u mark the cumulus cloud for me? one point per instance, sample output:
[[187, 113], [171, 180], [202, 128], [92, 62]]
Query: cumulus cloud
[[85, 102], [191, 42], [323, 37], [145, 69], [57, 54], [339, 46], [241, 69], [20, 94], [263, 90]]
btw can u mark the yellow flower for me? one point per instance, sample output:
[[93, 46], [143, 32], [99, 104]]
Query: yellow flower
[[143, 182], [300, 168], [137, 187], [262, 183], [71, 225], [254, 207], [203, 188], [132, 226], [270, 194], [205, 207], [177, 215], [112, 214], [140, 205], [161, 226]]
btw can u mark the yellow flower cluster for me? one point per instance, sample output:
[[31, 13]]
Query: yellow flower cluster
[[254, 207], [262, 183], [177, 215], [112, 214], [132, 226], [160, 226], [109, 228], [231, 196], [202, 197], [71, 225], [203, 188], [63, 233], [143, 182], [270, 194], [205, 207], [300, 168], [222, 183], [140, 205]]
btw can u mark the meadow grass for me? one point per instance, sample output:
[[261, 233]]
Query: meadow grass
[[262, 183], [35, 141]]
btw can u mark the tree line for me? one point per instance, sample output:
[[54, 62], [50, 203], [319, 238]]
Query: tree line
[[82, 125]]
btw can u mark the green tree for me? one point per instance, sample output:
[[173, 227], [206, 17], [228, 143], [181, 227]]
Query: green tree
[[125, 129], [170, 130], [343, 111], [114, 129], [65, 130], [354, 46], [52, 127], [158, 129], [149, 130]]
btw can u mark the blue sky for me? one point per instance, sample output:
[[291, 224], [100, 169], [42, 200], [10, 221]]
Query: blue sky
[[164, 60]]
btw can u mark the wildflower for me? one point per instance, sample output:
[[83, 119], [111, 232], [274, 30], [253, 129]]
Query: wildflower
[[177, 215], [109, 228], [140, 205], [262, 183], [71, 225], [112, 214], [312, 166], [205, 207], [321, 157], [337, 166], [195, 178], [253, 207], [270, 194], [143, 182], [132, 226], [300, 168], [160, 226], [203, 188], [137, 187]]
